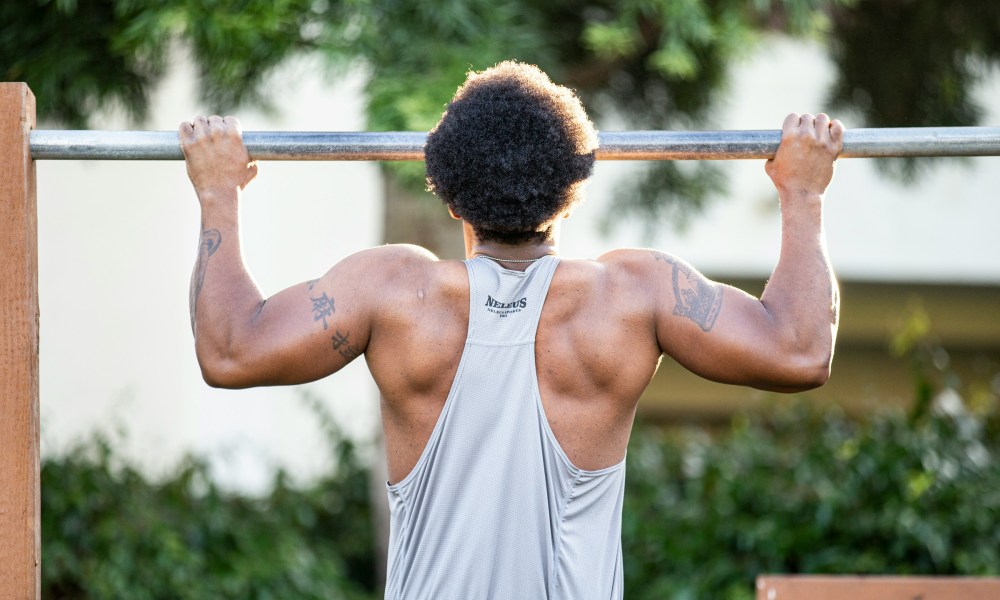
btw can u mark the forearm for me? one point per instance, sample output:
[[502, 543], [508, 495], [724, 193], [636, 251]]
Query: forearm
[[801, 296], [224, 298]]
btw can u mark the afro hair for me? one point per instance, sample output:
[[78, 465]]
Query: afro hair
[[510, 152]]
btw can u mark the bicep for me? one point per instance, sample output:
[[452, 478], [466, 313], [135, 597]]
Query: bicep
[[714, 330], [308, 331]]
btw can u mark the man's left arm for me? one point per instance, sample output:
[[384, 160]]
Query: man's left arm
[[783, 341]]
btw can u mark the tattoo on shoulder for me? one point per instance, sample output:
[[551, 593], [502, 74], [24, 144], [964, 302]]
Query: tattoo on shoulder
[[342, 344], [695, 297], [208, 244]]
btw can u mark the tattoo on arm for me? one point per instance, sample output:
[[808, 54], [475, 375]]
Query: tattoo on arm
[[323, 307], [695, 297], [342, 344], [208, 244]]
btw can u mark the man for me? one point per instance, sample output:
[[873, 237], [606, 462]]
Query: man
[[509, 381]]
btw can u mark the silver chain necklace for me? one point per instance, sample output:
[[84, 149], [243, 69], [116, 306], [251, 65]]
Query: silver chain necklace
[[511, 260]]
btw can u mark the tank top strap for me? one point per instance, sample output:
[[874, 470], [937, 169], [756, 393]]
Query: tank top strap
[[504, 304]]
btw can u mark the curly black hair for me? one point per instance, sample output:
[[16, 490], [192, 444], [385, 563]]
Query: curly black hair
[[510, 152]]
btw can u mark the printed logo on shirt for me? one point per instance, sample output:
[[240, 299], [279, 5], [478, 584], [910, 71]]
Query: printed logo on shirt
[[505, 308]]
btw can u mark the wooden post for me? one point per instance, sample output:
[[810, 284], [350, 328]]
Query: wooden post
[[20, 510], [848, 587]]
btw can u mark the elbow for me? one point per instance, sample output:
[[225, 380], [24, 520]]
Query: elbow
[[222, 369], [805, 371], [221, 377], [809, 357], [218, 374], [815, 375], [798, 364]]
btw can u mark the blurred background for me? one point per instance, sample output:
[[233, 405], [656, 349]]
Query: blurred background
[[157, 486]]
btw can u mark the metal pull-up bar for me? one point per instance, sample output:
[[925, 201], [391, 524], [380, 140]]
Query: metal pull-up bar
[[614, 145]]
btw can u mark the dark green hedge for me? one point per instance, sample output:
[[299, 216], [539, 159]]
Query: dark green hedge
[[799, 492], [109, 532], [809, 493]]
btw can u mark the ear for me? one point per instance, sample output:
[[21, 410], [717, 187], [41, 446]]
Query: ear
[[453, 215]]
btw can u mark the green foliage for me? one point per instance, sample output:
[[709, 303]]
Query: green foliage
[[79, 56], [419, 52], [946, 47], [810, 493], [109, 532], [662, 64], [654, 64], [800, 491], [804, 491]]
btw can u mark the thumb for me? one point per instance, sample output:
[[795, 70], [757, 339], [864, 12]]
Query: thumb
[[251, 174]]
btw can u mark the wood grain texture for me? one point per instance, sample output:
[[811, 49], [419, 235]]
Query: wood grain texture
[[20, 535], [810, 587]]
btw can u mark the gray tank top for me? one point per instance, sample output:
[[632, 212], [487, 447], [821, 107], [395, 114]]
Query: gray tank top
[[494, 508]]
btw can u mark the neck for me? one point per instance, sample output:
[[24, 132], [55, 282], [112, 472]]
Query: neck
[[498, 250], [518, 252]]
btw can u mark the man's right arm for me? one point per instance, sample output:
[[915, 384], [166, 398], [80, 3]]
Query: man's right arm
[[300, 334], [784, 340]]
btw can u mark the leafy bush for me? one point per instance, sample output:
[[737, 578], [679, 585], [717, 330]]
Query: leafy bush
[[108, 532], [811, 493], [705, 513]]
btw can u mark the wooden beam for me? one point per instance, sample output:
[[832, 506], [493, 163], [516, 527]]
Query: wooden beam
[[845, 587], [20, 511]]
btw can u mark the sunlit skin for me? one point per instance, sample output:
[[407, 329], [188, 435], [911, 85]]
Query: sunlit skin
[[604, 326]]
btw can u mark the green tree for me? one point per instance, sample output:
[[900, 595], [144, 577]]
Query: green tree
[[654, 63]]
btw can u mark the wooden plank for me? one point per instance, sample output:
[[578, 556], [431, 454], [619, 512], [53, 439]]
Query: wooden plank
[[20, 528], [817, 587]]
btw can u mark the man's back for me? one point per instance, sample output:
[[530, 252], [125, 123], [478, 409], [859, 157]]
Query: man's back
[[596, 350], [493, 507]]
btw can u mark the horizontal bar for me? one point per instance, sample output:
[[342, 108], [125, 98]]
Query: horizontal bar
[[613, 145]]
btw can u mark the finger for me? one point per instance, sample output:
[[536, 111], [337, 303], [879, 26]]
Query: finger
[[807, 123], [232, 122], [200, 125], [792, 120], [837, 131], [822, 123], [215, 125], [185, 131], [186, 136]]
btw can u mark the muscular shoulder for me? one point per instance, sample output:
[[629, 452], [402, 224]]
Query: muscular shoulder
[[633, 268], [628, 261], [618, 281], [399, 273], [392, 257], [383, 265], [642, 265], [645, 280]]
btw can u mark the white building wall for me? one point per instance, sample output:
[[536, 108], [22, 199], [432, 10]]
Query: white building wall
[[118, 240], [943, 228]]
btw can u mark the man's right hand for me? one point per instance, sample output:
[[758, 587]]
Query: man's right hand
[[217, 161], [804, 163]]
